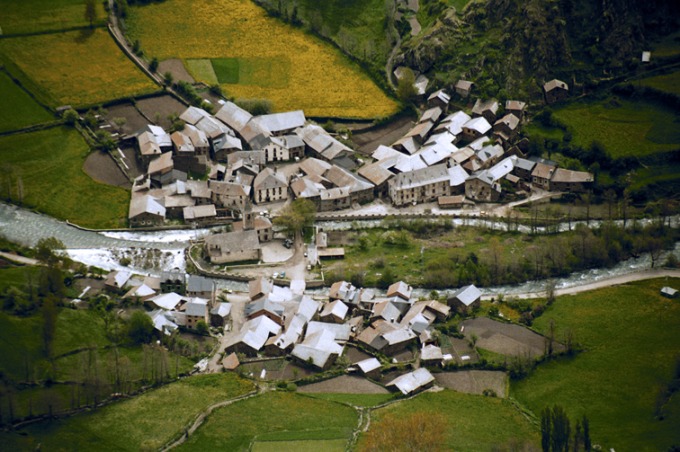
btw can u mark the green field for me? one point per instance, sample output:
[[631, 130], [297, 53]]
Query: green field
[[202, 69], [631, 337], [78, 68], [625, 129], [328, 445], [263, 72], [669, 83], [143, 423], [19, 109], [274, 416], [30, 16], [49, 163], [474, 423]]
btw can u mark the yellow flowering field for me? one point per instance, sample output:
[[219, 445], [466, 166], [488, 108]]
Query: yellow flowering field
[[319, 79], [77, 68]]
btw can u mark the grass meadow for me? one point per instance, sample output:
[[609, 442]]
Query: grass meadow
[[327, 445], [669, 83], [474, 423], [19, 109], [31, 16], [273, 416], [49, 163], [146, 422], [79, 68], [625, 128], [631, 340], [237, 36]]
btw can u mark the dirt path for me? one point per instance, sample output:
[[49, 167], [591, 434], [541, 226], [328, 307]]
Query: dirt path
[[207, 412], [19, 259], [238, 303]]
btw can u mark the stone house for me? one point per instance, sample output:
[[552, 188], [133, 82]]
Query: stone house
[[555, 91], [486, 108], [570, 181], [233, 247], [465, 299], [541, 175], [270, 186], [464, 88], [146, 210]]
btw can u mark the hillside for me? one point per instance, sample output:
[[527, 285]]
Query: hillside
[[510, 46]]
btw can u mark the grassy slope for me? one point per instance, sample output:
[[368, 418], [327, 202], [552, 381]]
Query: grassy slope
[[475, 423], [319, 75], [50, 164], [143, 423], [78, 68], [626, 130], [19, 109], [669, 83], [30, 16], [632, 336], [273, 416]]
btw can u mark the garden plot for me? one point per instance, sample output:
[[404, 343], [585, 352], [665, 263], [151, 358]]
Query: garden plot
[[129, 118], [474, 381], [505, 338], [344, 384], [158, 108]]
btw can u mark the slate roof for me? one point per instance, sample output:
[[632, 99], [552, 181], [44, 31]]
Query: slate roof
[[145, 204], [280, 122], [555, 84], [167, 301], [233, 116], [412, 381], [268, 178], [467, 294], [478, 124]]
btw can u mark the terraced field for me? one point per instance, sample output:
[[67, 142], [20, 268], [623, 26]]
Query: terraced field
[[79, 68], [235, 43]]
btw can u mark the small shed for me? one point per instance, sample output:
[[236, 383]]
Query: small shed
[[669, 292]]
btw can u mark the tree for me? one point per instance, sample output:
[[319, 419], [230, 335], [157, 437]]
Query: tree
[[90, 12], [140, 328], [555, 429], [49, 315], [45, 250], [406, 89], [419, 431], [153, 65], [167, 78], [71, 116], [105, 141], [202, 328], [296, 216]]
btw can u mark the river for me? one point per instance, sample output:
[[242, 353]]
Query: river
[[153, 252]]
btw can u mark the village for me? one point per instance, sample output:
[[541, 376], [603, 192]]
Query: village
[[378, 330], [449, 157], [255, 165]]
